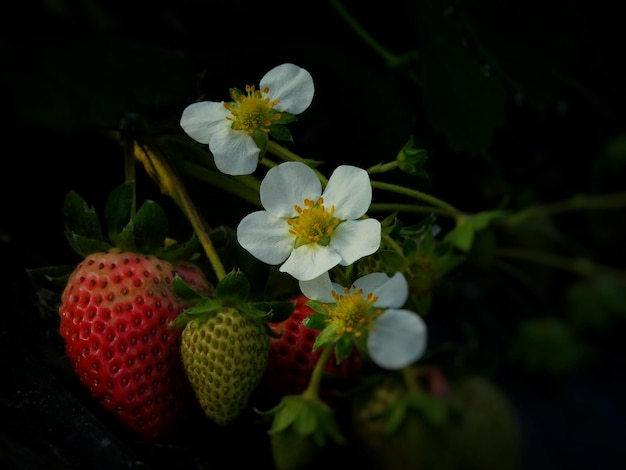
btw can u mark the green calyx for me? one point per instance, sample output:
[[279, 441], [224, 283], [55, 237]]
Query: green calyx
[[231, 292], [142, 230], [127, 229], [305, 417]]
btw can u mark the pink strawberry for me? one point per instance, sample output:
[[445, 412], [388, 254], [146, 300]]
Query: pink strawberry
[[292, 359]]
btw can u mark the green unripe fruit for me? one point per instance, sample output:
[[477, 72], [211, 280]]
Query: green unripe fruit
[[225, 356]]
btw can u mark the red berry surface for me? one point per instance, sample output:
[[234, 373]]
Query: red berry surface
[[114, 317], [292, 359]]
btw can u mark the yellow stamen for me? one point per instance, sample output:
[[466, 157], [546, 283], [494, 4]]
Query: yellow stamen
[[353, 313], [314, 223], [251, 111]]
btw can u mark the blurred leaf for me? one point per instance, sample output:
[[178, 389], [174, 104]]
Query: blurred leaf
[[533, 66], [548, 345], [595, 303], [461, 102], [462, 236]]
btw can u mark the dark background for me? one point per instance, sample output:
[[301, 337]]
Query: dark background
[[516, 104]]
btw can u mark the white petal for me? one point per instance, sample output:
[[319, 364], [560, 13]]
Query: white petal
[[265, 237], [318, 289], [355, 239], [370, 282], [286, 185], [349, 189], [234, 152], [203, 119], [392, 293], [310, 261], [291, 84], [398, 339]]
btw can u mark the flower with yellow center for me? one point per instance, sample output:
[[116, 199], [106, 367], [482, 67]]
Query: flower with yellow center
[[371, 309], [237, 131], [306, 231]]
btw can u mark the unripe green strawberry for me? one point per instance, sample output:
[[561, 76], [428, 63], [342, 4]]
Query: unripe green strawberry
[[225, 356], [488, 437], [291, 451], [414, 441], [114, 316], [303, 428], [478, 432]]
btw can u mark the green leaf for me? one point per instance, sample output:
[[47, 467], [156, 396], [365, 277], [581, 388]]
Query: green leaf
[[281, 133], [483, 219], [412, 160], [343, 348], [55, 275], [85, 246], [118, 210], [596, 303], [260, 139], [180, 250], [205, 306], [306, 421], [463, 104], [392, 260], [396, 414], [276, 311], [200, 311], [327, 336], [234, 286], [435, 411], [184, 290], [548, 345], [150, 227], [284, 117], [462, 236], [285, 414], [316, 321], [316, 306], [423, 303], [79, 218], [307, 417]]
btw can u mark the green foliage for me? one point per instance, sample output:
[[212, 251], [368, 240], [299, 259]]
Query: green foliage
[[466, 106], [232, 291], [548, 345], [142, 231], [596, 304]]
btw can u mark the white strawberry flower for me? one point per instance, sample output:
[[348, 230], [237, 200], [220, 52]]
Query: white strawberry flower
[[306, 231], [395, 337], [237, 131]]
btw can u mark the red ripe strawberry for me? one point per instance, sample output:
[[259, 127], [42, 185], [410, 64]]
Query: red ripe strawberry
[[292, 359], [115, 311]]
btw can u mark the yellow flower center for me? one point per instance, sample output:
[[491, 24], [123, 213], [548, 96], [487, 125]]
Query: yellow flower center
[[252, 110], [353, 313], [314, 224]]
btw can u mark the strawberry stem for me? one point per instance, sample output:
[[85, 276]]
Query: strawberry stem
[[168, 180], [312, 390], [409, 380], [288, 156]]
